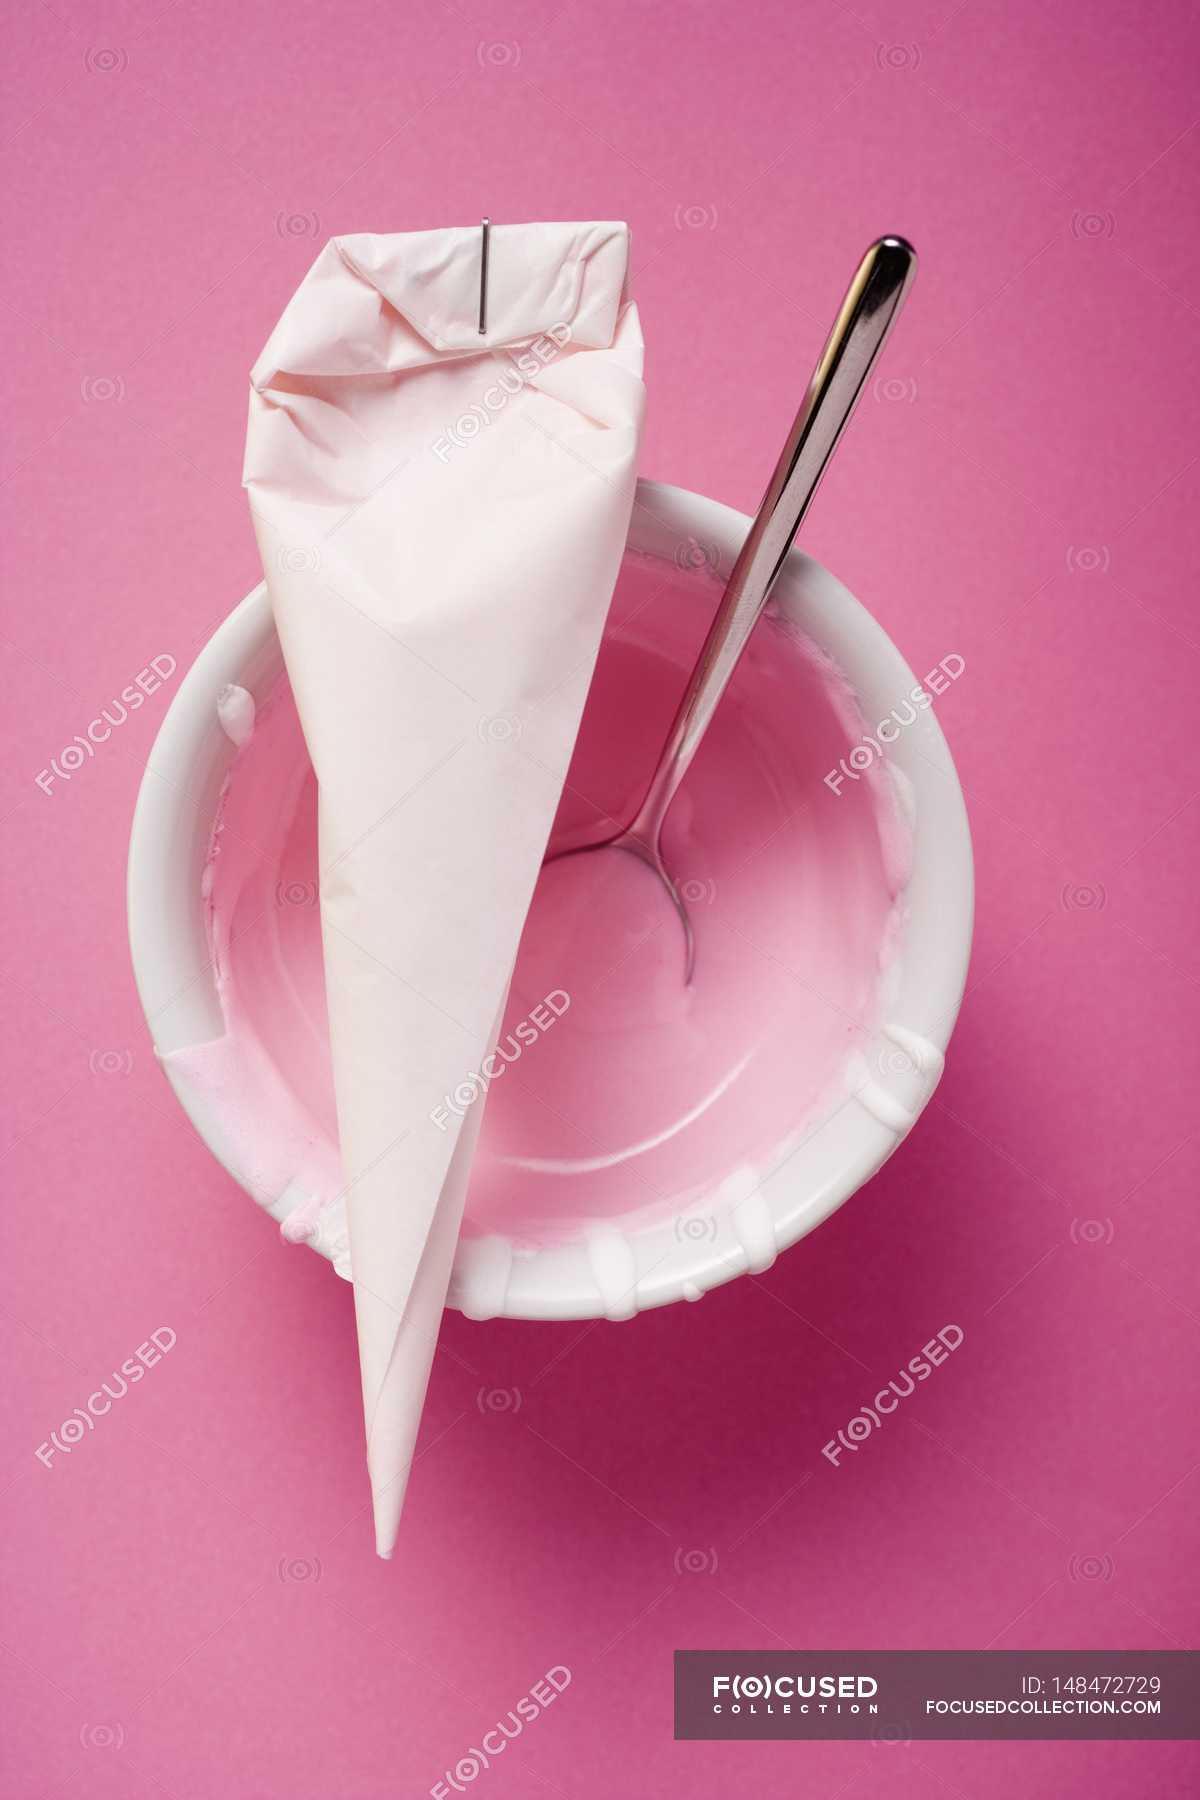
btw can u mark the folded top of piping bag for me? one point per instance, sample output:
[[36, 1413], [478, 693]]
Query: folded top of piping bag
[[441, 517]]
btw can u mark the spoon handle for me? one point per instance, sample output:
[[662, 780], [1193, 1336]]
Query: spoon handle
[[868, 312]]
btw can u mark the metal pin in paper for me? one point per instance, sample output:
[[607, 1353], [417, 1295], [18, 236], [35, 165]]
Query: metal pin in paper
[[485, 244]]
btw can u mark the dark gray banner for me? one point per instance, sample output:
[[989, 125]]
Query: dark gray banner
[[900, 1696]]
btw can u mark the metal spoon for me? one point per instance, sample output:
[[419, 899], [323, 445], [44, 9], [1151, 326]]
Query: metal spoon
[[868, 312]]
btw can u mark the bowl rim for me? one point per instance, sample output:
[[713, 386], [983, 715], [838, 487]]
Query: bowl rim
[[613, 1272]]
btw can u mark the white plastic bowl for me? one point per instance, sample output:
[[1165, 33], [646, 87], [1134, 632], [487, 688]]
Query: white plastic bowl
[[613, 1273]]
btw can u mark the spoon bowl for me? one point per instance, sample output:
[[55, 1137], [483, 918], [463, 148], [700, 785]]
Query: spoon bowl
[[637, 841]]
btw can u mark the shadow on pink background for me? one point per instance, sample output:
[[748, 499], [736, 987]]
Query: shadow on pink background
[[193, 1604]]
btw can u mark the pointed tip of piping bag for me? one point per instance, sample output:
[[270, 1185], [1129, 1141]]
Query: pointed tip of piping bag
[[386, 1532], [388, 1504]]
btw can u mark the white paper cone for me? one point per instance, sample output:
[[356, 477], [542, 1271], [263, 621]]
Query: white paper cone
[[441, 519]]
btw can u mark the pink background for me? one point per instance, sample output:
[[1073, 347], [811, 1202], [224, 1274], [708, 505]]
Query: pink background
[[193, 1605]]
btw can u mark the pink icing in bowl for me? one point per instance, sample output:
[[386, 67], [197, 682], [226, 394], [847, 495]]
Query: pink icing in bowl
[[642, 1140]]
